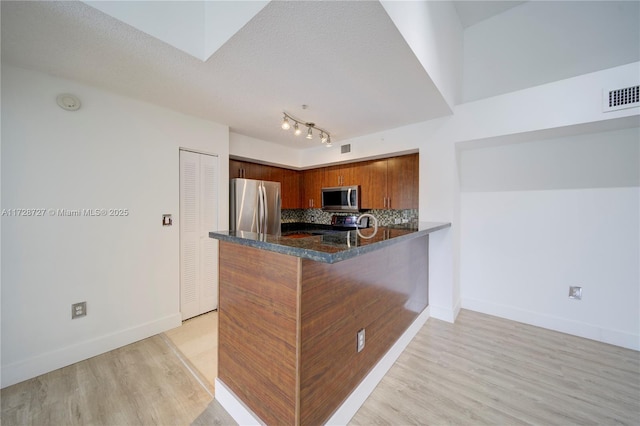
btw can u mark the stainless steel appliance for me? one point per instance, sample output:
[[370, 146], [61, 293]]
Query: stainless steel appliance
[[254, 205], [341, 199], [352, 224], [347, 223]]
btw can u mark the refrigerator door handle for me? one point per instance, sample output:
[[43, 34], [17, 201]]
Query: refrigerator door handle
[[265, 206], [261, 208]]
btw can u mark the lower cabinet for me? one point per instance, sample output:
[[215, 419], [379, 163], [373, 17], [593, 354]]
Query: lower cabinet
[[287, 342]]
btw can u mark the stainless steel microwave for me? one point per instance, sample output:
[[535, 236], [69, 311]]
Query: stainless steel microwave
[[341, 199]]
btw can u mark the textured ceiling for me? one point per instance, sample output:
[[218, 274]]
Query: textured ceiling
[[345, 60]]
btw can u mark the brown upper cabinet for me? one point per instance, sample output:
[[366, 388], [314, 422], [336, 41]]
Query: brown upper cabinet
[[403, 176], [374, 185], [343, 175], [312, 183], [389, 183], [291, 186], [247, 170], [290, 180]]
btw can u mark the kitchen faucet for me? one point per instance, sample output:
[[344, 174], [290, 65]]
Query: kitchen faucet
[[375, 225]]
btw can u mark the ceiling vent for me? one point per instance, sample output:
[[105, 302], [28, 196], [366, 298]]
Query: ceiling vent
[[621, 98], [345, 148]]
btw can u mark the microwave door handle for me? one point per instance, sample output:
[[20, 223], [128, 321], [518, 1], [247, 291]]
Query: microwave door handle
[[349, 197]]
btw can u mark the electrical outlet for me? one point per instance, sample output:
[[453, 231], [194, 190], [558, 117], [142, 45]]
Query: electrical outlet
[[575, 292], [360, 340], [78, 310]]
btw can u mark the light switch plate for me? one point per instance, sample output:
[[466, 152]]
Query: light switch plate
[[575, 292]]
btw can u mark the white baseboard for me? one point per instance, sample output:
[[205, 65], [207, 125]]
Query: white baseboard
[[445, 313], [563, 325], [26, 369], [244, 416], [356, 399]]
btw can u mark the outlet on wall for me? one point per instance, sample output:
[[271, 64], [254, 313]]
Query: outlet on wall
[[78, 310], [360, 340]]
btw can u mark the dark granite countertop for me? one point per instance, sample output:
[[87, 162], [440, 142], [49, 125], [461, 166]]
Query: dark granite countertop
[[323, 244]]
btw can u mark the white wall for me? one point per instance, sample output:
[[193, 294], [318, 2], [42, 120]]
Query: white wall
[[541, 216], [113, 153], [433, 31], [263, 151], [593, 160], [600, 34]]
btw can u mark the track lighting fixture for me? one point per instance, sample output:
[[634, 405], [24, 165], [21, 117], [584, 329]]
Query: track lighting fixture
[[325, 137], [328, 145]]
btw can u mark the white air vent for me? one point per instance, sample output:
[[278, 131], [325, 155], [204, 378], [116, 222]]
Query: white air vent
[[345, 148], [616, 99]]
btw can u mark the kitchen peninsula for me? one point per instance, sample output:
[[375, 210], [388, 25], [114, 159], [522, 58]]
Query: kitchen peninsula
[[292, 306]]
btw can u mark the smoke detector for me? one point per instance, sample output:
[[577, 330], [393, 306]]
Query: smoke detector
[[68, 101]]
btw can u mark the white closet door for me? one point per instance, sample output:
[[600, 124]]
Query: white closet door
[[198, 216], [189, 233], [208, 223]]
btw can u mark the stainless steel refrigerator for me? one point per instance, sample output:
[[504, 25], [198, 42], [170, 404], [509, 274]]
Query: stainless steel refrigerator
[[255, 206]]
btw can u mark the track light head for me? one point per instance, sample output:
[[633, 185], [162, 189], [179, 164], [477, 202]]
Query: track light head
[[309, 133], [285, 123], [296, 129]]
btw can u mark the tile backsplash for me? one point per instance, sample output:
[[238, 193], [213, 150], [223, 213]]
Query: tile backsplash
[[385, 217]]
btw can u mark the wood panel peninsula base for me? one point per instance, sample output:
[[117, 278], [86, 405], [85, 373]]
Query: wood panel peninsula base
[[288, 322]]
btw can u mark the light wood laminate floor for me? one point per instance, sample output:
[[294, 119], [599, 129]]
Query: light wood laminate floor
[[480, 370], [487, 370], [144, 383], [197, 341]]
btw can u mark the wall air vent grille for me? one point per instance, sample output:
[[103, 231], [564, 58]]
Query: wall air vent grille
[[621, 98], [345, 148]]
